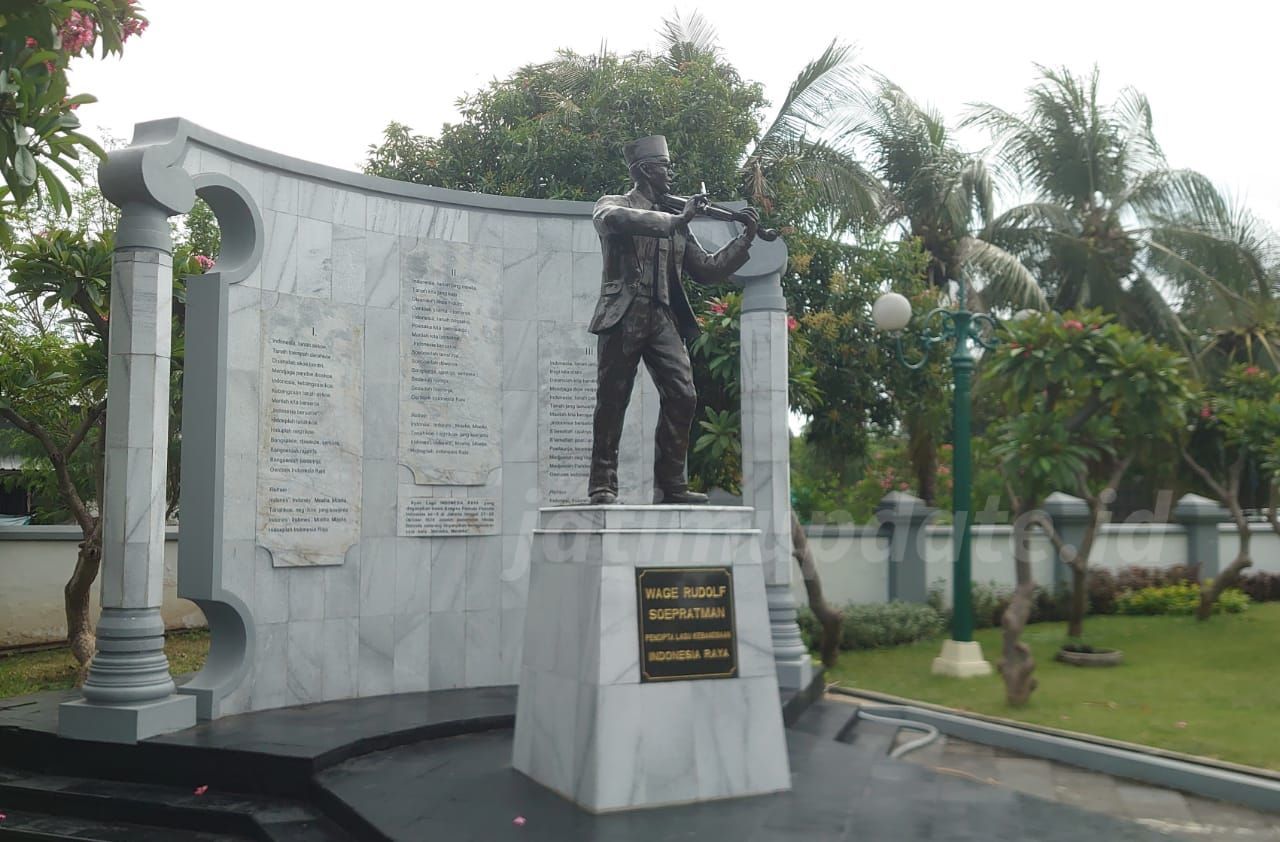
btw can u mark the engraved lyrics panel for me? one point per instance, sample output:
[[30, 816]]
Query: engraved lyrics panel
[[567, 392], [310, 432], [566, 411], [451, 378]]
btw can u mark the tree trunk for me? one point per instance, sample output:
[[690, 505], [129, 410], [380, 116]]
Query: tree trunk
[[75, 595], [1017, 667], [922, 451], [1231, 576], [830, 618], [1079, 600]]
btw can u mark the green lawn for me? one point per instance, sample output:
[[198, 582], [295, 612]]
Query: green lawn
[[55, 669], [1211, 689]]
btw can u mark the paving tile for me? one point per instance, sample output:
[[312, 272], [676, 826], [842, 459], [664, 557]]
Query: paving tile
[[1026, 775], [964, 748], [463, 788], [1148, 802], [1087, 790], [1219, 814]]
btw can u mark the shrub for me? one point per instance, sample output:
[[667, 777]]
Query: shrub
[[888, 624], [876, 625], [1261, 586], [1134, 578], [1102, 591], [1181, 598], [991, 599]]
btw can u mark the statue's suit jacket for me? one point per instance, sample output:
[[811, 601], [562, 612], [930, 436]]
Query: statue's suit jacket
[[633, 235]]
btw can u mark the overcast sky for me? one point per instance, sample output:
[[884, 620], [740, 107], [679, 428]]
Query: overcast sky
[[317, 85]]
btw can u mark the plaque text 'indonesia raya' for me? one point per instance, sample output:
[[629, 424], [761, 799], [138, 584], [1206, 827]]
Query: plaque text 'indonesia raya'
[[686, 623]]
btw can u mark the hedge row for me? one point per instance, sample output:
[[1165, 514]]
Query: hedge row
[[1132, 590]]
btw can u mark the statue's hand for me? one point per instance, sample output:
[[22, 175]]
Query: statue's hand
[[752, 222], [691, 206]]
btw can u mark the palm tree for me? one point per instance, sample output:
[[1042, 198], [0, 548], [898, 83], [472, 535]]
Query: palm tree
[[1225, 273], [938, 193], [1106, 212], [799, 159]]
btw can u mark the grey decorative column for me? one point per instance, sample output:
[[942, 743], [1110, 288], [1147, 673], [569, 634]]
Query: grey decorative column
[[766, 448], [1070, 519], [129, 694], [904, 517], [1201, 516]]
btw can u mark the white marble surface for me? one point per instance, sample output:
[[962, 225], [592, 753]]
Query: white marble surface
[[393, 614], [451, 360], [137, 431], [587, 727], [311, 431]]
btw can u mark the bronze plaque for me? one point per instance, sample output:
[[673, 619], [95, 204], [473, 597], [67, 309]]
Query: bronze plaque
[[686, 623]]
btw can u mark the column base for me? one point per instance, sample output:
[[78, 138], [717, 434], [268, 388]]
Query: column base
[[794, 663], [127, 723], [795, 675], [961, 659]]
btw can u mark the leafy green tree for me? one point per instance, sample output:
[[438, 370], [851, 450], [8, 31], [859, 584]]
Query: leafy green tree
[[1235, 422], [38, 126], [863, 390], [1106, 208], [53, 382], [53, 390], [1080, 399], [716, 457], [556, 130]]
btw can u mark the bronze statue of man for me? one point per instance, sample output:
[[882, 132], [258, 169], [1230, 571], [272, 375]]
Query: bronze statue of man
[[644, 314]]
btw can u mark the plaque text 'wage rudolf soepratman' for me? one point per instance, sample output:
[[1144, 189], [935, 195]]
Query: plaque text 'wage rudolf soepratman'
[[686, 623]]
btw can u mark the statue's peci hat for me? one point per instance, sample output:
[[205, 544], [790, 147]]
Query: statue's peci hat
[[645, 149]]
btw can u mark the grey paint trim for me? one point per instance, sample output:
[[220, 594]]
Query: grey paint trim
[[200, 549], [182, 130], [239, 221], [1237, 787]]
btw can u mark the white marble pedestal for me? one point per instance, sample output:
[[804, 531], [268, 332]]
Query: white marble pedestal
[[587, 726]]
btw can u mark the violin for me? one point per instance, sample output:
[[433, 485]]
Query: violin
[[675, 204]]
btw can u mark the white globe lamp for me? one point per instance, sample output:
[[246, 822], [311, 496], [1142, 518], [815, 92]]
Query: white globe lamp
[[891, 312]]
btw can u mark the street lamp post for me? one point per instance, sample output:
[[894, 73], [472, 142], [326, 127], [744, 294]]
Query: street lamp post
[[961, 655]]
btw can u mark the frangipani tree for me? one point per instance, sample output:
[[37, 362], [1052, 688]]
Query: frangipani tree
[[1236, 421], [39, 130], [53, 390], [1081, 398]]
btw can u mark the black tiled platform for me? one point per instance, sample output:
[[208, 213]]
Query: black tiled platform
[[462, 789], [436, 766]]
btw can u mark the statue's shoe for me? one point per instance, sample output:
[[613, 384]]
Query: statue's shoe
[[683, 498], [604, 498]]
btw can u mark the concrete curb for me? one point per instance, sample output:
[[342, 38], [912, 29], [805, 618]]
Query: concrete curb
[[1238, 785]]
